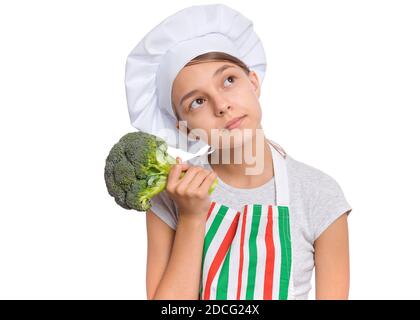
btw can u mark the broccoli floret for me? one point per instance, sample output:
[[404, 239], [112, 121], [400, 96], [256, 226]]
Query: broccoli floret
[[137, 169]]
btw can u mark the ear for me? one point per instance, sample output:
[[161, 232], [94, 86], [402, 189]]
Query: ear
[[177, 126], [253, 77]]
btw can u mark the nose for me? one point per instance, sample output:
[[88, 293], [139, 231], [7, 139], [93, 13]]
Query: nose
[[221, 106]]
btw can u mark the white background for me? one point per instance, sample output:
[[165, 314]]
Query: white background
[[341, 93]]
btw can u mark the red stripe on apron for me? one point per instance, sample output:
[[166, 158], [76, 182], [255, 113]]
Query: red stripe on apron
[[220, 255], [241, 257], [210, 210], [269, 262]]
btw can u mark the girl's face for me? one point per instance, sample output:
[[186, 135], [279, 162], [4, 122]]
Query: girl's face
[[209, 94]]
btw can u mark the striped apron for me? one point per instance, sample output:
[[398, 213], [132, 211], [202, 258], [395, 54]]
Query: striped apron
[[247, 254]]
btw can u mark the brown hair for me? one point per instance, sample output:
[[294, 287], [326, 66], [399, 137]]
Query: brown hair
[[215, 56], [218, 56]]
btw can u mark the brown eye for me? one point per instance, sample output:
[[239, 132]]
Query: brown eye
[[200, 100], [231, 77]]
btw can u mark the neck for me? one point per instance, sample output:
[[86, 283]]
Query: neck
[[253, 168]]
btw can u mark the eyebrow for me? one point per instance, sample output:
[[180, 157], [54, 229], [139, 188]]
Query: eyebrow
[[216, 73]]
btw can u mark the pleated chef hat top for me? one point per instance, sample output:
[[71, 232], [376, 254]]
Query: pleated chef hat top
[[154, 63]]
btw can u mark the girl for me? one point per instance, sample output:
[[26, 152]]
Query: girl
[[257, 236]]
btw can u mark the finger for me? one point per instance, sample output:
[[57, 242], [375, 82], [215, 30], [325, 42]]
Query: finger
[[188, 177], [175, 172], [208, 181], [199, 179]]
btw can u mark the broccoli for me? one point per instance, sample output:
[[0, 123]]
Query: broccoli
[[137, 169]]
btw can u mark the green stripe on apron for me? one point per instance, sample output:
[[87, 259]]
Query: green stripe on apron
[[252, 268], [212, 232], [286, 258], [213, 228], [222, 284]]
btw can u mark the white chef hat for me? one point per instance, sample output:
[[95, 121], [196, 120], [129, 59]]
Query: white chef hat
[[154, 63]]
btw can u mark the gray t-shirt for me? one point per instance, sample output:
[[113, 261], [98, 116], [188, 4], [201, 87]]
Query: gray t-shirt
[[316, 201]]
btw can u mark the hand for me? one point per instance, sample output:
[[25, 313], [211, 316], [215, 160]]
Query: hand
[[190, 191]]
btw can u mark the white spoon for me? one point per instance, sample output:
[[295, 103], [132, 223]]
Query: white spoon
[[185, 156]]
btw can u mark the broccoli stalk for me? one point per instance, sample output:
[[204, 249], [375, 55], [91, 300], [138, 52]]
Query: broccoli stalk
[[137, 169]]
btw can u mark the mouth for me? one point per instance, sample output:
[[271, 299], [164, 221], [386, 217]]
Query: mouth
[[234, 123]]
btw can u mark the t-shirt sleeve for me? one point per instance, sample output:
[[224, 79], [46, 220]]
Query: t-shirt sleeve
[[328, 203], [164, 207]]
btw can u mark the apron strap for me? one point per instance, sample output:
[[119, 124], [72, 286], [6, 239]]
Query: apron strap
[[280, 174], [278, 148]]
